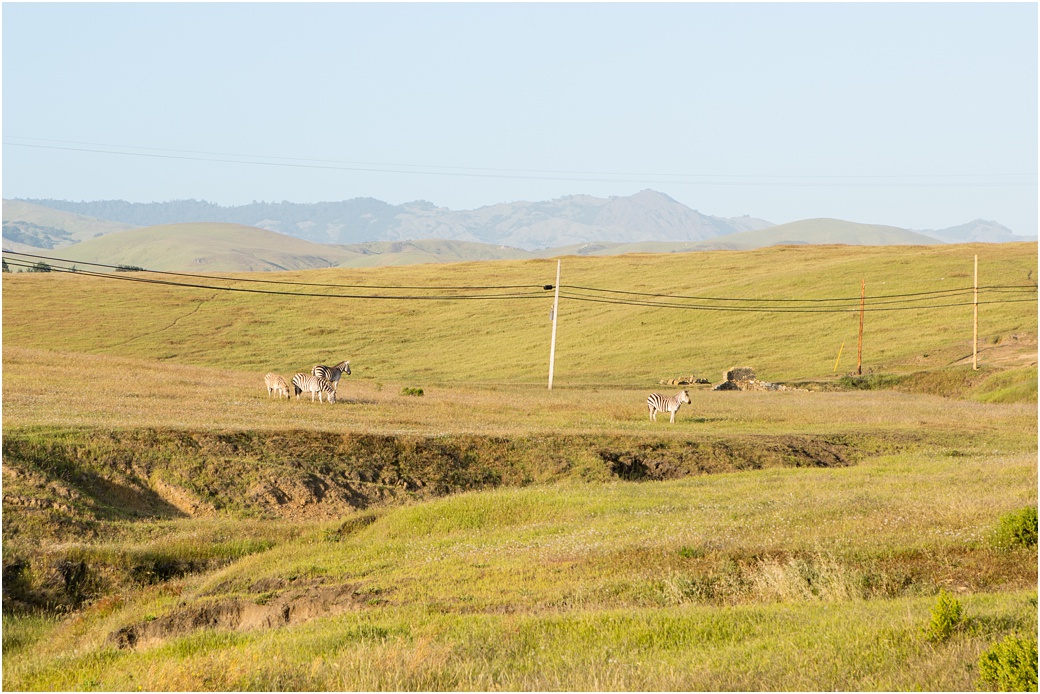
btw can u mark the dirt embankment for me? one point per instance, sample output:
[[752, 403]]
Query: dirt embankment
[[65, 488], [270, 603], [88, 476]]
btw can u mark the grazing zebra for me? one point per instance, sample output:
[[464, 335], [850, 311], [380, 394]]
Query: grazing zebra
[[308, 383], [332, 373], [276, 384], [659, 403]]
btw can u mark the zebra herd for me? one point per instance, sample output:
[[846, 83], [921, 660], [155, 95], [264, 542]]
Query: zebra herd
[[322, 380]]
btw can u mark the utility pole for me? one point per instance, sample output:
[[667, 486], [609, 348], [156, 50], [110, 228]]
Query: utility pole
[[555, 312], [975, 322], [862, 307]]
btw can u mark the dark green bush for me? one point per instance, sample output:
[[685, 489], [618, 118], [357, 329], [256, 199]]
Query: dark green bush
[[1010, 665], [1017, 529], [947, 616], [418, 392]]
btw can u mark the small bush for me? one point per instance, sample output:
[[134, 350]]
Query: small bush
[[947, 616], [417, 392], [687, 552], [1017, 529], [1010, 665], [869, 382]]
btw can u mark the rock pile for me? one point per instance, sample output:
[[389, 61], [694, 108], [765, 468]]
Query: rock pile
[[684, 381], [743, 378]]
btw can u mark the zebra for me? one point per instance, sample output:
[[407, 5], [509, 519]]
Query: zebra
[[332, 373], [308, 383], [276, 385], [659, 403]]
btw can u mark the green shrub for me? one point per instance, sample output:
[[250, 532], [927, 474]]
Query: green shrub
[[947, 616], [417, 392], [1010, 665], [1017, 529]]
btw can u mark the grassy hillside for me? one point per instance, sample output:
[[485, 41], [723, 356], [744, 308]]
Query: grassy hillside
[[821, 231], [43, 227], [507, 341], [204, 248], [383, 253], [169, 526]]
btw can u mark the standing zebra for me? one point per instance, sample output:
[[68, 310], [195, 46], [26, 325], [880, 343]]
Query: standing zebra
[[659, 403], [332, 373], [276, 384], [309, 383]]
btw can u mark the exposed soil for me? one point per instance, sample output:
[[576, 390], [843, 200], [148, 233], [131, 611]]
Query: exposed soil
[[143, 474], [272, 603], [653, 462]]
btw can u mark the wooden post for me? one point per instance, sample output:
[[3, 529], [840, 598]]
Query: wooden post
[[862, 307], [975, 322], [556, 310]]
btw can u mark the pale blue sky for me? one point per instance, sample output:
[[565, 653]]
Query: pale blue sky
[[915, 115]]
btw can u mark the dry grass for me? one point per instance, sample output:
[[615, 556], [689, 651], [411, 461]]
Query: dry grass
[[130, 393], [563, 577]]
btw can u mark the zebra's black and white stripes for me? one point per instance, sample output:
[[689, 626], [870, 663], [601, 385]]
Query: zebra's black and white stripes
[[276, 385], [332, 373], [309, 383], [660, 403]]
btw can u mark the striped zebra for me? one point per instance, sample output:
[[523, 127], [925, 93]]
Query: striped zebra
[[276, 385], [332, 373], [309, 383], [659, 403]]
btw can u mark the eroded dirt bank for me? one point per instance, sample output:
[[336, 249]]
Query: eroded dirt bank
[[152, 473]]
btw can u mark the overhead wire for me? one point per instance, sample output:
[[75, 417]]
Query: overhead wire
[[819, 180], [131, 277], [655, 300], [282, 282]]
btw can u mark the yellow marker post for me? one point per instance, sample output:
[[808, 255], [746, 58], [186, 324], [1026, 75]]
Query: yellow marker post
[[839, 356]]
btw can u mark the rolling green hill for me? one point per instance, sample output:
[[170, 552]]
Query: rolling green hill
[[820, 231], [205, 248], [235, 248], [33, 226], [383, 253], [169, 526], [489, 340]]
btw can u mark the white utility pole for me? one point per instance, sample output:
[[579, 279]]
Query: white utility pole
[[555, 312]]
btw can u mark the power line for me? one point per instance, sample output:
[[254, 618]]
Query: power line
[[824, 180], [753, 309], [128, 277], [875, 299], [282, 282], [529, 295]]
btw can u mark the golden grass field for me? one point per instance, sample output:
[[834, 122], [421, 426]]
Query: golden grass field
[[168, 526]]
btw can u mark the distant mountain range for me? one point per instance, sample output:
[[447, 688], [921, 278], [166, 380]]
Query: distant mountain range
[[645, 216], [192, 235]]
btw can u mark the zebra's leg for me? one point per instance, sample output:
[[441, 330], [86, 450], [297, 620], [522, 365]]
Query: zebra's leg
[[672, 420]]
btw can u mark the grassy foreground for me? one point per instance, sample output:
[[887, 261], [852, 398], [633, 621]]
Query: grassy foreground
[[805, 579], [167, 526]]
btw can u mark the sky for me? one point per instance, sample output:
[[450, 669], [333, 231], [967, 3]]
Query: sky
[[921, 116]]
